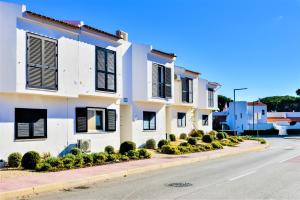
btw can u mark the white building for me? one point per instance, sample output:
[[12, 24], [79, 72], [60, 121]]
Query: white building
[[63, 82]]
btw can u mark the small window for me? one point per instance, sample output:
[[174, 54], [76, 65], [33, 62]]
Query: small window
[[241, 115], [263, 112], [30, 123], [211, 97], [205, 120], [149, 120], [181, 119], [95, 119]]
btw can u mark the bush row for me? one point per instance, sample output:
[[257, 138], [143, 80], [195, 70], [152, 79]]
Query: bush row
[[268, 132]]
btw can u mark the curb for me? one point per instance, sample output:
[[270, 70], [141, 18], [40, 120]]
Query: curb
[[89, 180]]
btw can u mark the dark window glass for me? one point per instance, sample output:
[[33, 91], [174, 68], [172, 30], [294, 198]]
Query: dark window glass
[[205, 120], [187, 90], [181, 119], [99, 120], [149, 120], [210, 97], [263, 112]]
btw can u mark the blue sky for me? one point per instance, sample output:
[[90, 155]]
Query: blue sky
[[238, 43]]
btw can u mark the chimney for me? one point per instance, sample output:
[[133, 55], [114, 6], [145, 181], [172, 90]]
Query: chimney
[[122, 34]]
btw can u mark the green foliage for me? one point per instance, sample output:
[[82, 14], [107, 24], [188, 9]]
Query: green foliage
[[220, 136], [150, 144], [133, 154], [282, 103], [196, 133], [113, 157], [124, 158], [43, 167], [216, 145], [109, 149], [207, 138], [208, 147], [99, 158], [75, 151], [213, 133], [222, 101], [183, 136], [14, 159], [184, 144], [168, 149], [143, 153], [127, 146], [55, 162], [30, 160], [172, 137], [234, 139], [268, 132], [78, 161], [227, 142], [87, 159], [293, 131], [162, 143], [298, 92], [192, 141], [68, 162]]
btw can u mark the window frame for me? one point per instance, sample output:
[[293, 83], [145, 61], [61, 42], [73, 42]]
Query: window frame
[[183, 125], [43, 38], [105, 71], [187, 92], [95, 109], [211, 93], [205, 122], [149, 127], [31, 132]]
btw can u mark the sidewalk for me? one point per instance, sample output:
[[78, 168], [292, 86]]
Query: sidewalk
[[42, 182]]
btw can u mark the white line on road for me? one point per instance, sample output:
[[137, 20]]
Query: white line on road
[[288, 158], [241, 176]]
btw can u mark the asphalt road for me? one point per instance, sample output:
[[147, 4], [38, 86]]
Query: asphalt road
[[270, 174]]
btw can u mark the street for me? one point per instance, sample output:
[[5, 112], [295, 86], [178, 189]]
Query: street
[[270, 174]]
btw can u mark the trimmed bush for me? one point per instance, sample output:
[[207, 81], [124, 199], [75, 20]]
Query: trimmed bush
[[293, 131], [150, 144], [99, 158], [172, 137], [143, 153], [220, 136], [240, 139], [213, 133], [208, 147], [168, 149], [109, 149], [162, 143], [184, 144], [44, 167], [196, 133], [227, 143], [14, 159], [30, 160], [234, 139], [127, 146], [268, 132], [125, 158], [68, 162], [216, 145], [75, 151], [133, 154], [261, 140], [112, 157], [192, 141], [87, 159], [55, 162], [71, 156], [78, 161], [183, 136], [207, 138]]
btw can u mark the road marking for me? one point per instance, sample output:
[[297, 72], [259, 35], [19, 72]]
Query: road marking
[[241, 176], [288, 158]]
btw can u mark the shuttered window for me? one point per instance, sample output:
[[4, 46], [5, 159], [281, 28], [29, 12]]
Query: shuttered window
[[161, 81], [105, 70], [205, 120], [181, 119], [187, 90], [92, 119], [41, 62], [210, 97], [30, 123], [149, 120]]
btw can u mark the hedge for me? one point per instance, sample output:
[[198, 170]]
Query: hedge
[[268, 132], [293, 131]]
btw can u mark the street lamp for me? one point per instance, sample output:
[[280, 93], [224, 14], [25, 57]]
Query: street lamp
[[234, 121]]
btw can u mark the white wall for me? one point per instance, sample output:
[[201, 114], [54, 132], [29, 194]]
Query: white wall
[[241, 122], [201, 112]]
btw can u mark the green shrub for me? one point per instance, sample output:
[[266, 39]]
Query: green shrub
[[213, 133], [55, 162], [109, 149], [262, 141], [14, 159], [196, 133], [234, 139], [220, 136], [133, 154], [268, 132], [127, 146], [183, 136], [172, 137], [184, 144], [227, 143], [78, 161], [192, 141], [68, 162], [216, 145], [44, 167], [207, 138], [30, 160], [168, 149], [99, 158], [162, 143], [125, 158], [87, 159], [75, 151], [240, 139], [113, 157], [207, 147], [143, 153], [150, 144]]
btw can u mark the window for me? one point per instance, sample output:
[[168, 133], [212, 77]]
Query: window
[[181, 119], [210, 97], [241, 115], [30, 123], [205, 120], [187, 90], [149, 120], [161, 81], [263, 112], [95, 119], [105, 70], [41, 65]]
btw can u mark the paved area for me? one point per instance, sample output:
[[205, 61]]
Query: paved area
[[55, 178], [270, 174]]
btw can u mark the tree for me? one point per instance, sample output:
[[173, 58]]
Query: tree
[[298, 92], [222, 101], [282, 103]]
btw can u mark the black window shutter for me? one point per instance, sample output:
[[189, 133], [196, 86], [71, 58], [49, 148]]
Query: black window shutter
[[184, 89], [168, 82], [81, 120], [155, 80], [49, 72], [110, 118], [190, 87]]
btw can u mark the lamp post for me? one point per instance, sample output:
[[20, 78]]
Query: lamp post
[[234, 121]]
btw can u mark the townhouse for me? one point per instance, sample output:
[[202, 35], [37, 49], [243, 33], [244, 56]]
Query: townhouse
[[65, 83]]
